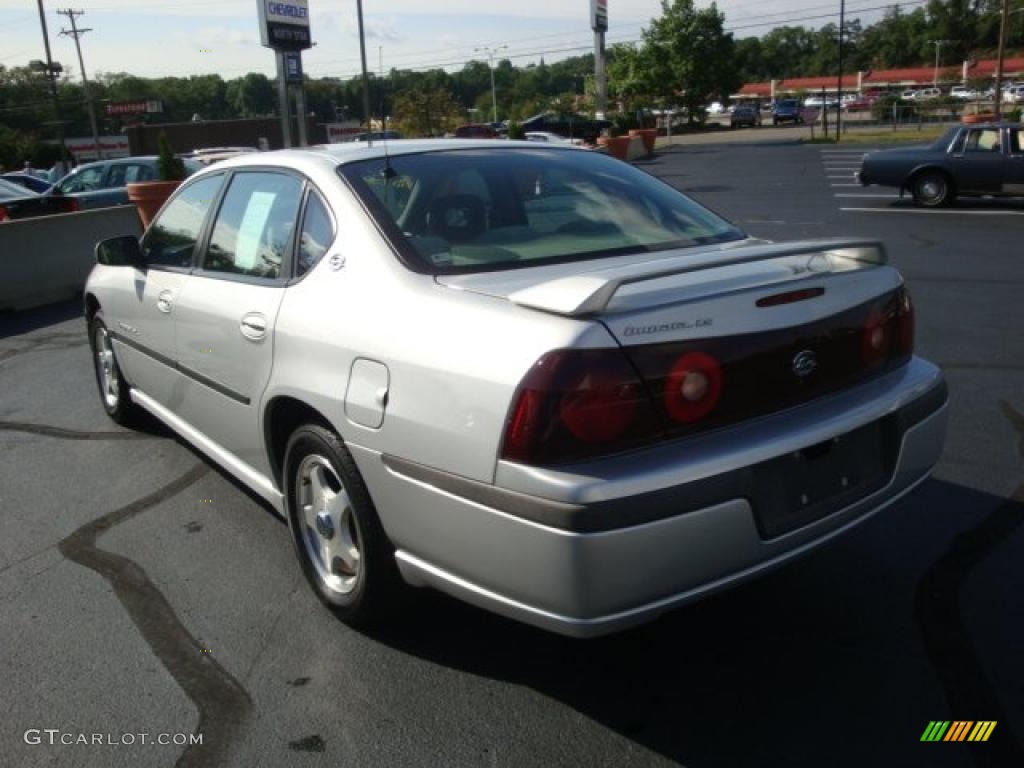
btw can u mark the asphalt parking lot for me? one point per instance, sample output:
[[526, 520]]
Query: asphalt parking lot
[[142, 591]]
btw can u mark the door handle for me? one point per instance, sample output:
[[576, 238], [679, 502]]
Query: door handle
[[164, 301], [254, 326]]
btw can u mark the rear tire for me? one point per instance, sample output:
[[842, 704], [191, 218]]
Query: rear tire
[[115, 394], [932, 189], [341, 546]]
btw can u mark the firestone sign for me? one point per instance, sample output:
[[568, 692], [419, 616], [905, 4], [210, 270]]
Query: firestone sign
[[284, 24]]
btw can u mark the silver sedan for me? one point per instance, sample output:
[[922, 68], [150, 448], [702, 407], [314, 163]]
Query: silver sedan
[[533, 377]]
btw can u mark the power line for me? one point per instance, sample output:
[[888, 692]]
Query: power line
[[77, 33]]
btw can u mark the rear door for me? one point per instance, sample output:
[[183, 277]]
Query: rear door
[[1013, 175], [228, 307]]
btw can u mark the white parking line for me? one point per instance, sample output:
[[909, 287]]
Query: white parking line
[[844, 176], [950, 211], [863, 194], [844, 185]]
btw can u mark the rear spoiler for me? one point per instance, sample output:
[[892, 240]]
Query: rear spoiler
[[589, 293]]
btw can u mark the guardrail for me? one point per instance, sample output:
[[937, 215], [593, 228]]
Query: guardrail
[[47, 259]]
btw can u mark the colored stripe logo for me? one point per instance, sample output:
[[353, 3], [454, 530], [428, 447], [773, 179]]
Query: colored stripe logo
[[958, 730]]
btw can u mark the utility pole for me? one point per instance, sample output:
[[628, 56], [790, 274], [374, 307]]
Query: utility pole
[[76, 33], [839, 80], [490, 58], [51, 75], [938, 47], [1004, 19]]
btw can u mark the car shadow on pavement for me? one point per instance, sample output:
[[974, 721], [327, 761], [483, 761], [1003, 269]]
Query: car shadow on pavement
[[842, 658]]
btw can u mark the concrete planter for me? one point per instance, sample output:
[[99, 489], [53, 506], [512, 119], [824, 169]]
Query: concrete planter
[[648, 135], [618, 146], [149, 196]]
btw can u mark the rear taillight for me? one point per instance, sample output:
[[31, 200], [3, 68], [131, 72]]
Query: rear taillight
[[4, 216], [905, 319], [888, 331], [72, 205], [577, 404], [693, 387]]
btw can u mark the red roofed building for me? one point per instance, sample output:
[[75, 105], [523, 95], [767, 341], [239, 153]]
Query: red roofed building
[[882, 78]]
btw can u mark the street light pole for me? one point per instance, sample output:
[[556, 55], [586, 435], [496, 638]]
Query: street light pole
[[1004, 18], [938, 47], [366, 76], [839, 81], [76, 33], [490, 59]]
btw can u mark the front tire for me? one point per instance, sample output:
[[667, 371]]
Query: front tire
[[339, 541], [114, 390], [932, 189]]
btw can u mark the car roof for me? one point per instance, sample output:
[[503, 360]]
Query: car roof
[[118, 161], [352, 151]]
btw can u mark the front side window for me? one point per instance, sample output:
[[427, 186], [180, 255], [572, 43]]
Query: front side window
[[983, 140], [254, 225], [468, 210], [172, 237], [86, 180]]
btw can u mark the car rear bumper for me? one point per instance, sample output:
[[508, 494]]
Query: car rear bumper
[[615, 543]]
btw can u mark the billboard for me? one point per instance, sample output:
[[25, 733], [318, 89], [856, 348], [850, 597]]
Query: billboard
[[599, 15], [284, 24], [140, 107]]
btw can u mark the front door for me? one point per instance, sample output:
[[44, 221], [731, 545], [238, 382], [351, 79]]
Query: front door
[[978, 167], [228, 308], [142, 312]]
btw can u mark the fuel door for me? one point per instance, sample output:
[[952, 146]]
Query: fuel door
[[367, 396]]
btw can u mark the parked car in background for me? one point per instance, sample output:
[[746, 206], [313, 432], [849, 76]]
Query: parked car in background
[[27, 181], [476, 131], [570, 126], [829, 102], [716, 108], [16, 202], [105, 183], [984, 159], [745, 116], [859, 103], [926, 93], [787, 111], [531, 376], [1014, 94], [546, 137], [374, 136], [211, 155]]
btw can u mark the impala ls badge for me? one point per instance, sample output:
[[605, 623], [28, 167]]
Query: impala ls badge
[[805, 363]]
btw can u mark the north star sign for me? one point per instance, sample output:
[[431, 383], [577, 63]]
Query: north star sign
[[284, 24]]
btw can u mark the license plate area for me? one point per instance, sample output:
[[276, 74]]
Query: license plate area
[[810, 484]]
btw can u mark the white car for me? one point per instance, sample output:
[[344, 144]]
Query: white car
[[534, 377], [716, 108]]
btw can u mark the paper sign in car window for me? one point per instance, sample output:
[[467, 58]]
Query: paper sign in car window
[[250, 231]]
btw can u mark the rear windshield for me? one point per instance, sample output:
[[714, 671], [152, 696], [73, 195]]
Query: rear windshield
[[474, 210]]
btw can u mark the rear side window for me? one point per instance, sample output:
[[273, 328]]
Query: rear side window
[[316, 236], [128, 173], [172, 237], [471, 210], [254, 225]]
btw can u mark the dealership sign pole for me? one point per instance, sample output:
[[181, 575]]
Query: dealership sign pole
[[284, 27], [599, 23]]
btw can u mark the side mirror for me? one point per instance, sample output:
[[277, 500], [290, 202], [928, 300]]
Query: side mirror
[[123, 251]]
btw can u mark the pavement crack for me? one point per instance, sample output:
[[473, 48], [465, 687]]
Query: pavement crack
[[222, 701], [68, 434], [946, 636]]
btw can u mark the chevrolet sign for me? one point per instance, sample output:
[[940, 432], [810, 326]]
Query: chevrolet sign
[[284, 24]]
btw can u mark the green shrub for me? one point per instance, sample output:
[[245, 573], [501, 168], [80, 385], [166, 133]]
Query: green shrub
[[171, 167], [515, 130]]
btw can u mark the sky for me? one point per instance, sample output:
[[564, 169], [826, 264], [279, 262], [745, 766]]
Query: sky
[[156, 38]]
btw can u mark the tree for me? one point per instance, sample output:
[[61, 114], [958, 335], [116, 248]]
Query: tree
[[689, 57], [426, 112], [251, 95]]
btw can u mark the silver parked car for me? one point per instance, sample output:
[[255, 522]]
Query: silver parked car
[[533, 377]]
